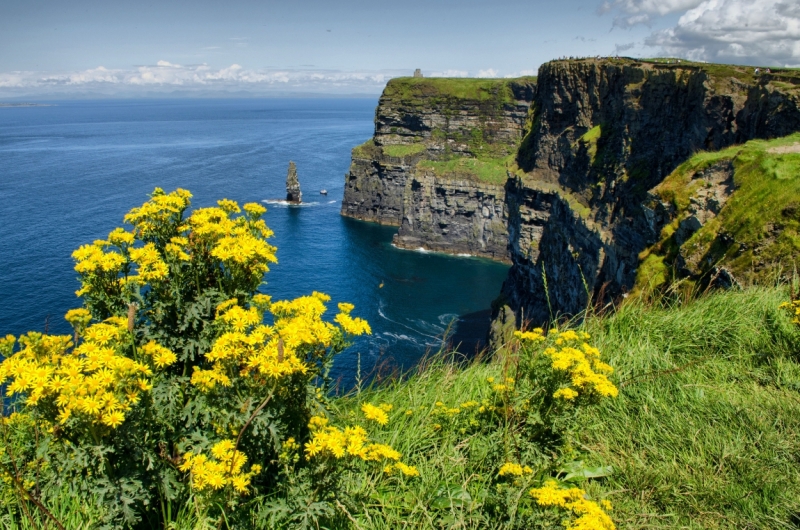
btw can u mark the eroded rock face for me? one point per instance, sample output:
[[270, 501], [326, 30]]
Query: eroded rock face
[[604, 134], [430, 119], [458, 217], [293, 193], [599, 137]]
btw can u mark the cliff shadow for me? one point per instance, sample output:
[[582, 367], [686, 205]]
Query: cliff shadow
[[470, 336]]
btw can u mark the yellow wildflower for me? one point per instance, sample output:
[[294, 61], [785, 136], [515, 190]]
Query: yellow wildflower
[[587, 514], [517, 470], [376, 414]]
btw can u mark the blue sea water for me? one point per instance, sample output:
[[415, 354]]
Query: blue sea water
[[69, 172]]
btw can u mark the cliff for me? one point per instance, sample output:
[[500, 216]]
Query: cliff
[[604, 177], [437, 163], [605, 135]]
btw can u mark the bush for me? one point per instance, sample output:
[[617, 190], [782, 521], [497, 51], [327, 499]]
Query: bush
[[173, 389]]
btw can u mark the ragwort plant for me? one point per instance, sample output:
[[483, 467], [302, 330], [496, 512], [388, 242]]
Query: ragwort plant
[[550, 378], [182, 385], [495, 446]]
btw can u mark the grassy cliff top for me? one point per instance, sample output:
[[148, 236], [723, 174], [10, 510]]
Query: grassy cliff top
[[419, 89], [784, 78], [759, 225]]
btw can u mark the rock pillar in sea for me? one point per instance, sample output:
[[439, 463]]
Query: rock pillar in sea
[[293, 193]]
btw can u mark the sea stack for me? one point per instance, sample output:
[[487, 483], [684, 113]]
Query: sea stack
[[293, 193]]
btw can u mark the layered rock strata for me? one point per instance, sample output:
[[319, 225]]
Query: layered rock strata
[[604, 134], [577, 201], [409, 174]]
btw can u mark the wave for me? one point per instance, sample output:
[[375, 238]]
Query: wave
[[416, 331], [423, 250], [419, 249], [448, 318], [278, 202]]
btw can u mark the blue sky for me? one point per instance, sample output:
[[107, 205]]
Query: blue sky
[[354, 46]]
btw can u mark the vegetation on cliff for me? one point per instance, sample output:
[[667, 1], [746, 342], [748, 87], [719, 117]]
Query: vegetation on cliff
[[737, 208], [487, 170], [472, 150], [440, 91]]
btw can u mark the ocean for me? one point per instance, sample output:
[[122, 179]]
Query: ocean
[[70, 171]]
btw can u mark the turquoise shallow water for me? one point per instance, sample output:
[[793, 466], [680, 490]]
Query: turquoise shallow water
[[69, 172]]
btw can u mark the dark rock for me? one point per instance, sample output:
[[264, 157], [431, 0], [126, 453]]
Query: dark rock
[[293, 193], [644, 121], [457, 214]]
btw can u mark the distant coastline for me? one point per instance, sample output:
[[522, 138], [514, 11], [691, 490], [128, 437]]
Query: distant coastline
[[26, 105]]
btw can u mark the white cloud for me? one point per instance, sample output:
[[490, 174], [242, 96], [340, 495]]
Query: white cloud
[[449, 73], [629, 13], [489, 72], [742, 31], [165, 76], [622, 48], [633, 12], [521, 73]]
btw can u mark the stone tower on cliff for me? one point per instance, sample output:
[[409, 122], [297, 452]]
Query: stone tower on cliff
[[293, 193]]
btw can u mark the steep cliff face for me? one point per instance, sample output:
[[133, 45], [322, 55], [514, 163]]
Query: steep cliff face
[[437, 163], [454, 216], [604, 134], [606, 176]]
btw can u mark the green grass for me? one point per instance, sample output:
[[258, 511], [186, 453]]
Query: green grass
[[72, 511], [590, 139], [704, 434], [367, 150], [767, 196], [487, 170], [403, 150], [417, 91], [705, 431]]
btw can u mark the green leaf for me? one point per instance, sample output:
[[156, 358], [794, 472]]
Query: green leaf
[[576, 471], [454, 496]]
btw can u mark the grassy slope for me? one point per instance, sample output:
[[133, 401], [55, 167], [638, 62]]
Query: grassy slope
[[490, 160], [767, 195], [705, 432], [417, 90], [488, 170]]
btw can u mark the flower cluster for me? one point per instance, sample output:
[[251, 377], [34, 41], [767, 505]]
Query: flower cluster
[[401, 468], [151, 267], [589, 514], [377, 414], [224, 467], [328, 440], [94, 381], [512, 469], [249, 347], [331, 441], [353, 326], [159, 213], [580, 363], [793, 308], [172, 243]]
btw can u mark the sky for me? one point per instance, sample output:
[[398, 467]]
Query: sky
[[90, 48]]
